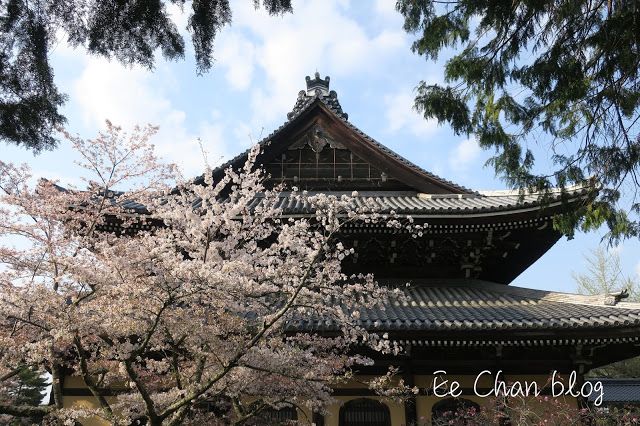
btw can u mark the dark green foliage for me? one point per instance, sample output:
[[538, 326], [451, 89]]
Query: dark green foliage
[[130, 31], [29, 100], [563, 74], [21, 395], [208, 17], [29, 387]]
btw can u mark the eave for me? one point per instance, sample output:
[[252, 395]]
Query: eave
[[474, 312]]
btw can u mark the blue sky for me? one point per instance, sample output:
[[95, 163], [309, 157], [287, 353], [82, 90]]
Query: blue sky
[[261, 63]]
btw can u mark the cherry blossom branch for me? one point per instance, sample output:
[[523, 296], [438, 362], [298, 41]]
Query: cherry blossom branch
[[244, 416], [197, 308], [152, 415], [152, 330], [233, 362], [56, 383], [179, 416], [280, 373], [174, 356], [29, 411], [11, 373], [27, 321]]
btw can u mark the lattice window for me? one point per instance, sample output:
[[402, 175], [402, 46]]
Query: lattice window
[[364, 412], [328, 164], [271, 416]]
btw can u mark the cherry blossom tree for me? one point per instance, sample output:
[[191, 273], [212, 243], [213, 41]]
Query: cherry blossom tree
[[206, 303]]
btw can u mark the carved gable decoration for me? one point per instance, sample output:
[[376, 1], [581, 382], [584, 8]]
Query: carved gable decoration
[[316, 138], [316, 160]]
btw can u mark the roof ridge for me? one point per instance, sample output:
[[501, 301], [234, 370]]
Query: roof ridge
[[628, 305], [264, 141], [303, 106], [394, 154], [542, 295], [558, 296]]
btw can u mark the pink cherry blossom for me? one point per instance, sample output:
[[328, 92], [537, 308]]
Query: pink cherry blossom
[[209, 296]]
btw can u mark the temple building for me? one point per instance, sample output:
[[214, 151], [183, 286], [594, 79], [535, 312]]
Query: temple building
[[461, 314]]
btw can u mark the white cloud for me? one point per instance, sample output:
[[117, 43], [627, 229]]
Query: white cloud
[[180, 15], [464, 154], [384, 7], [237, 55], [211, 135], [333, 43], [108, 90], [132, 95], [386, 10], [638, 269], [401, 115], [261, 54], [246, 135]]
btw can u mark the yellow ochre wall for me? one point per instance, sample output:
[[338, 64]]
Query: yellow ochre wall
[[87, 402], [424, 403]]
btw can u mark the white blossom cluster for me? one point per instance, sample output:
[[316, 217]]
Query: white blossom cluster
[[220, 302]]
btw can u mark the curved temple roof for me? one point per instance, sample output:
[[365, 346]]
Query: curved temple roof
[[474, 305], [618, 390], [458, 200], [470, 307], [418, 204]]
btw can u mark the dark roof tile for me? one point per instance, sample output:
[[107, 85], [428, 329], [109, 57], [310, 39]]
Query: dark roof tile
[[413, 204], [473, 305], [617, 390]]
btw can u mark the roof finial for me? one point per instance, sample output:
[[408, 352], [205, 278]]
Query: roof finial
[[317, 88], [317, 85]]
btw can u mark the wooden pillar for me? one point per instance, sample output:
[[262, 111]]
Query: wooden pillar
[[580, 364], [317, 419], [410, 409], [501, 404], [582, 401]]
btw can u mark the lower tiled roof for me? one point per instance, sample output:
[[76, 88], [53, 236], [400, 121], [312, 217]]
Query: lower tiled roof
[[402, 202], [618, 390], [473, 305], [425, 204]]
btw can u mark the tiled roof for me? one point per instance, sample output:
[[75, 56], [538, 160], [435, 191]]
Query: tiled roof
[[424, 204], [473, 305], [333, 104], [401, 202], [305, 102], [403, 160], [618, 390], [411, 203]]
